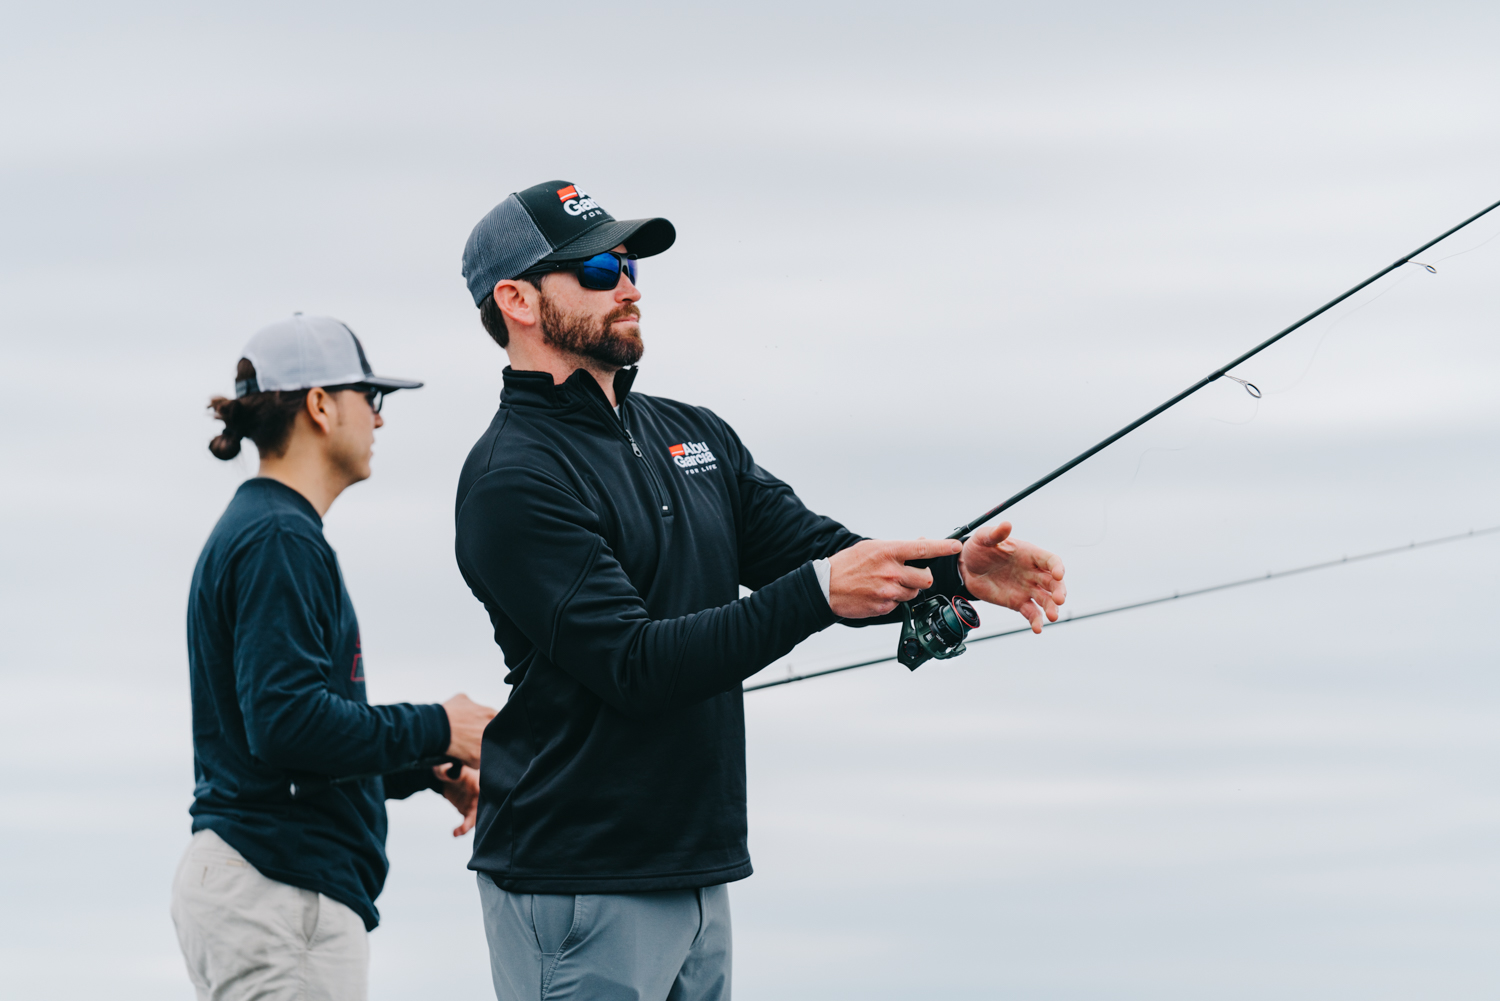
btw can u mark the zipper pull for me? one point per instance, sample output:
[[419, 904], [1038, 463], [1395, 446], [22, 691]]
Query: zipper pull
[[633, 446]]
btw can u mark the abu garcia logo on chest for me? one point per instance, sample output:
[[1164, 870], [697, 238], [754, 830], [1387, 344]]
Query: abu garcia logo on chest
[[693, 456]]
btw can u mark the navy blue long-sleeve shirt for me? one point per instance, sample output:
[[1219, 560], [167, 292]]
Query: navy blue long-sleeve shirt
[[278, 691]]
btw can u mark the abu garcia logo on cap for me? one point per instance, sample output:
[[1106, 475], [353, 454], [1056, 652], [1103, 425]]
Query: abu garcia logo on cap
[[578, 203]]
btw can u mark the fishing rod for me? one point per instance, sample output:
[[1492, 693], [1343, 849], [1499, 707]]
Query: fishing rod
[[935, 628], [311, 787], [1175, 595]]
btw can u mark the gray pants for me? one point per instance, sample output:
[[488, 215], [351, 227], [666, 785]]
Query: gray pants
[[248, 937], [668, 945]]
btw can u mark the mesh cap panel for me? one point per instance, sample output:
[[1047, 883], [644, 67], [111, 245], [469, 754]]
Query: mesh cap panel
[[505, 243]]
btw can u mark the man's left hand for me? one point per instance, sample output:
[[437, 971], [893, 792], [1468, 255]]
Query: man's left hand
[[463, 793], [1012, 573]]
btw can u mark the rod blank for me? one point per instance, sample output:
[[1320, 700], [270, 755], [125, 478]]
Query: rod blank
[[1216, 374], [1471, 534]]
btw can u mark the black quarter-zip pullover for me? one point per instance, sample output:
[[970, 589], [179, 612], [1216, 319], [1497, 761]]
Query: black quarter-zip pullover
[[609, 552]]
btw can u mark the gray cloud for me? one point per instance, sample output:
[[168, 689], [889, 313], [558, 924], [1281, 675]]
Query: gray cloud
[[926, 254]]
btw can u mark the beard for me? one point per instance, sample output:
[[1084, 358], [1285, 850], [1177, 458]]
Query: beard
[[592, 339]]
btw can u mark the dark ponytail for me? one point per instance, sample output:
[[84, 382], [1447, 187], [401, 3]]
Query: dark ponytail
[[264, 418]]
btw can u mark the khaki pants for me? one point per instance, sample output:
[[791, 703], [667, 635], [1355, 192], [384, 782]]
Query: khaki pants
[[248, 937]]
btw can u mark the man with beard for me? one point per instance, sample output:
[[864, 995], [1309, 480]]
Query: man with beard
[[607, 534]]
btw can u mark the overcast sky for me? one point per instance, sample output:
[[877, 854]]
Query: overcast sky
[[926, 252]]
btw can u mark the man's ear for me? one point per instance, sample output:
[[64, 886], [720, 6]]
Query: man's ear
[[517, 302], [319, 409]]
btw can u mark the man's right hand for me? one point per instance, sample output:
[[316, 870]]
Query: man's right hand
[[872, 578], [466, 722]]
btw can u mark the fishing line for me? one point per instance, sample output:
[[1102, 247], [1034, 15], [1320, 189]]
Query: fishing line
[[1175, 595], [1323, 337], [1486, 243], [936, 627], [1196, 438], [1140, 463], [1255, 392], [1213, 376], [1124, 490]]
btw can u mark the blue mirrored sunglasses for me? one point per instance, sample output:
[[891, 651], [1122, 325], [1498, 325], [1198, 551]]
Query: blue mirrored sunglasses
[[600, 272]]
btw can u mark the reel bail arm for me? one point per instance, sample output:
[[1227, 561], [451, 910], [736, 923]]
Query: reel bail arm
[[934, 629]]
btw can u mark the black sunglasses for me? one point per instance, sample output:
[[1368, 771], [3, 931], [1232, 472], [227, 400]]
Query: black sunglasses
[[600, 272], [373, 394]]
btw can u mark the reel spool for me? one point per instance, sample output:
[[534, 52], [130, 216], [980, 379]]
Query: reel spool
[[934, 629]]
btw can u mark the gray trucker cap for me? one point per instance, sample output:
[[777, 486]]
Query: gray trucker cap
[[547, 223], [301, 352]]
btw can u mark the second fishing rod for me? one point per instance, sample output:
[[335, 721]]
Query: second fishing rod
[[936, 628]]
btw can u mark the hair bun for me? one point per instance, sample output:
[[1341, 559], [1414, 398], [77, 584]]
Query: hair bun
[[266, 418], [225, 446]]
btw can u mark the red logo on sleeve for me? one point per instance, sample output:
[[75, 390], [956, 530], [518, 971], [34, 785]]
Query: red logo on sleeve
[[357, 672]]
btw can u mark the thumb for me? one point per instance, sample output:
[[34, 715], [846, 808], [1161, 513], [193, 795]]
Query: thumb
[[995, 536]]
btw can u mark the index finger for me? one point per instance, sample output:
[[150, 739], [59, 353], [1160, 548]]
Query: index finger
[[922, 549]]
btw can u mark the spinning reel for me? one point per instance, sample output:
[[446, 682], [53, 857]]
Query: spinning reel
[[934, 629]]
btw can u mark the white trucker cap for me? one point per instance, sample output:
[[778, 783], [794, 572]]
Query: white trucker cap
[[306, 351]]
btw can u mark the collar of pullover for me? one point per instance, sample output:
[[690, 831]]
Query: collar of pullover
[[536, 389]]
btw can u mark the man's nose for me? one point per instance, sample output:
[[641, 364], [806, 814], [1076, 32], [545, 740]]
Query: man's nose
[[626, 291]]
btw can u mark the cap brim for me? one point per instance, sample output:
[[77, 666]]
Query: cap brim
[[641, 237], [390, 385]]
